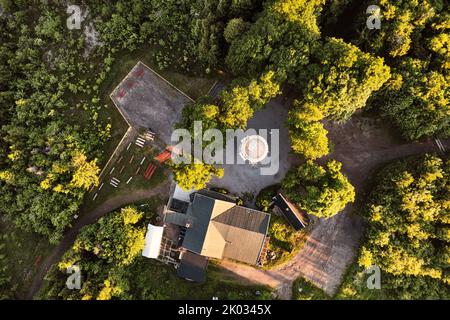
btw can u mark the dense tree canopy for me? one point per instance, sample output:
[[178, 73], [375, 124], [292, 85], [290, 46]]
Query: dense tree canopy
[[402, 22], [308, 135], [280, 40], [195, 175], [321, 191], [48, 161], [414, 38], [342, 78], [417, 100], [114, 239], [101, 251], [408, 234]]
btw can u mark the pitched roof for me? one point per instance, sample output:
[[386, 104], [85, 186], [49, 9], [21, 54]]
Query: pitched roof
[[153, 239], [296, 218], [223, 229]]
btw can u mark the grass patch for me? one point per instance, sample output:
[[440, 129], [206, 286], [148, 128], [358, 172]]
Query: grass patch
[[284, 242], [123, 171], [154, 280], [305, 290], [23, 252], [354, 286]]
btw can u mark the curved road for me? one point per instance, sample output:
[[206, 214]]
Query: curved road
[[86, 219]]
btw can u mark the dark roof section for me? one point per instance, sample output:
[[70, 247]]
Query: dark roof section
[[179, 205], [215, 195], [224, 230], [201, 208], [297, 219], [244, 218], [193, 267]]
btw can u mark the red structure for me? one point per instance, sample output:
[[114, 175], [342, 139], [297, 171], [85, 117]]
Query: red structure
[[163, 156], [150, 171]]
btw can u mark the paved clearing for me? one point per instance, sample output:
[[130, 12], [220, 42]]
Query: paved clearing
[[240, 178], [362, 145], [147, 100], [87, 218]]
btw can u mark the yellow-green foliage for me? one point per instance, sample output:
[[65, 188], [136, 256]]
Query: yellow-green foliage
[[344, 79], [195, 175], [407, 236], [401, 20], [115, 239], [285, 241], [417, 100], [321, 191], [308, 135]]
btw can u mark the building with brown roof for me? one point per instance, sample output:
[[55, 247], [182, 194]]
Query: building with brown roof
[[217, 228]]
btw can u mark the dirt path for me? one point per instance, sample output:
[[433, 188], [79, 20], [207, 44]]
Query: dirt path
[[362, 145], [89, 218]]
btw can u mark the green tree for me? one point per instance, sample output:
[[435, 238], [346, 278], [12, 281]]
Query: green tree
[[86, 173], [308, 135], [407, 226], [321, 191], [195, 175], [343, 79], [402, 22], [417, 100], [235, 27], [280, 40], [115, 239]]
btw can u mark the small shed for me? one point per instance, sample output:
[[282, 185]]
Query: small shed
[[153, 240], [296, 218]]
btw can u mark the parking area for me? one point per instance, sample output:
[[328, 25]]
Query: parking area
[[147, 100]]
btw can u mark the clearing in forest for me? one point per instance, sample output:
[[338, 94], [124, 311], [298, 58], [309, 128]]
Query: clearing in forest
[[147, 100]]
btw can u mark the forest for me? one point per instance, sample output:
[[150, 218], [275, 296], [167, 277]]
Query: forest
[[408, 231], [55, 122]]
